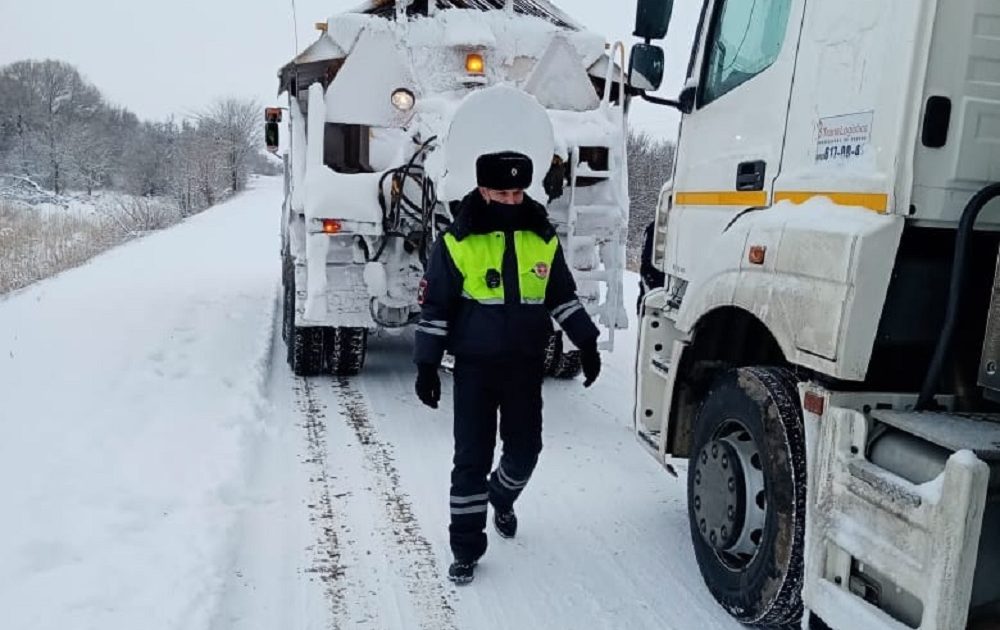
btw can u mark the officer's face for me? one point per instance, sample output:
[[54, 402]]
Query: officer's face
[[506, 197]]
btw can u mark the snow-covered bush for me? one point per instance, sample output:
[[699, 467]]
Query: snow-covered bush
[[36, 244], [39, 241], [133, 216]]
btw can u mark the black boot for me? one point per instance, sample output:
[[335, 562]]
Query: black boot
[[505, 522], [461, 572]]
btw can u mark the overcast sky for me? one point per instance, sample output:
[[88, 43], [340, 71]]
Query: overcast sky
[[172, 58]]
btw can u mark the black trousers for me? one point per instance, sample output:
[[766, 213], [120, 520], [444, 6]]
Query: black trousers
[[481, 389]]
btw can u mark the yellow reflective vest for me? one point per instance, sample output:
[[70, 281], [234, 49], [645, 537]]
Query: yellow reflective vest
[[479, 258]]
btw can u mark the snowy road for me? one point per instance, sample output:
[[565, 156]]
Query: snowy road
[[163, 472]]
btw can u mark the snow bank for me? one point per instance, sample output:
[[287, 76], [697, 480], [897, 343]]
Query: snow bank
[[131, 388]]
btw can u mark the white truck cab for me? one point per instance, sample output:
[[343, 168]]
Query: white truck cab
[[824, 353]]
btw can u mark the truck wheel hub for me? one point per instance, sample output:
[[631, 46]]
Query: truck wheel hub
[[729, 502]]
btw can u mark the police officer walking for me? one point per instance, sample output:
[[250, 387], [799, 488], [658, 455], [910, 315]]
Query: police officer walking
[[494, 283]]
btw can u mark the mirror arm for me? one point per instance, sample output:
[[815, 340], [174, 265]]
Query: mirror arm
[[661, 101]]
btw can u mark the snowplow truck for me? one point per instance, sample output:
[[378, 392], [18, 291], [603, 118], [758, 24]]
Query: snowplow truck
[[388, 111], [823, 359]]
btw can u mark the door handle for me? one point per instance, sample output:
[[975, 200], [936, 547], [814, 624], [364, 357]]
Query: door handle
[[750, 175]]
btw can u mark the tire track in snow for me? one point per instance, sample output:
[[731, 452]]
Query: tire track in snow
[[328, 564], [415, 554]]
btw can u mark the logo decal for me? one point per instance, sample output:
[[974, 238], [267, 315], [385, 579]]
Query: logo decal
[[541, 270], [422, 292]]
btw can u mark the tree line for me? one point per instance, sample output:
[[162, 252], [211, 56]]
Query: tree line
[[650, 164], [58, 130]]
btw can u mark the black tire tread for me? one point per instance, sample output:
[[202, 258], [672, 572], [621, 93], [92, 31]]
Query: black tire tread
[[569, 366], [306, 351], [305, 345], [347, 349], [782, 405], [553, 352]]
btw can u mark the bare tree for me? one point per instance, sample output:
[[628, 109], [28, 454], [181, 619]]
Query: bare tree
[[234, 124], [49, 101], [56, 129], [92, 156]]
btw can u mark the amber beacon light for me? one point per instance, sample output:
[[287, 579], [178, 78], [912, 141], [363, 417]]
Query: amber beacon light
[[475, 64], [332, 226]]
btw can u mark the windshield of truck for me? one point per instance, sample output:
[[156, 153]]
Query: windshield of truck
[[745, 40]]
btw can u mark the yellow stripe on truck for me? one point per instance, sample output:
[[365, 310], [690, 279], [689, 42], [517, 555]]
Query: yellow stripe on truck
[[876, 202], [723, 198]]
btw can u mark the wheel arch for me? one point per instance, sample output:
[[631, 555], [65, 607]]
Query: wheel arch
[[713, 348]]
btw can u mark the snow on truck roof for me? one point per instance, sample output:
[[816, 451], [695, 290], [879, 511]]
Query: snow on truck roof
[[468, 22], [537, 8]]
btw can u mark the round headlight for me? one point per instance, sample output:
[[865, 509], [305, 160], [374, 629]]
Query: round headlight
[[403, 100]]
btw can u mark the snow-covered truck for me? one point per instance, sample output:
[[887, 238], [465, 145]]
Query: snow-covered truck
[[388, 111], [823, 359]]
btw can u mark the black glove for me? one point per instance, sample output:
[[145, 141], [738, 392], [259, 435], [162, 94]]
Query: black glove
[[428, 385], [590, 357]]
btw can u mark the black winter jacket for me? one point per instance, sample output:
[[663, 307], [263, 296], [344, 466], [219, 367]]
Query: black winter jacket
[[509, 332]]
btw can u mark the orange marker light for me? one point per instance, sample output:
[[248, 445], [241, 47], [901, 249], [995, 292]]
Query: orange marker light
[[332, 226], [814, 403], [475, 64], [757, 255], [272, 114]]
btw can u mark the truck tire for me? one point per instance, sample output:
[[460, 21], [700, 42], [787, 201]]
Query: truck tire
[[287, 311], [305, 345], [570, 365], [305, 351], [553, 352], [346, 350], [559, 363], [747, 495], [288, 299]]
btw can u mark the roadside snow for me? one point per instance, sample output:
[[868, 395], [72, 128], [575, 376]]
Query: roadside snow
[[129, 389]]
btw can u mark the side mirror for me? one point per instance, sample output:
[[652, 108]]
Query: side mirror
[[652, 18], [272, 116], [271, 137], [645, 68]]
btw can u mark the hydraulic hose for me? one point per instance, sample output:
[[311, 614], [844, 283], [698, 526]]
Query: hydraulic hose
[[962, 251]]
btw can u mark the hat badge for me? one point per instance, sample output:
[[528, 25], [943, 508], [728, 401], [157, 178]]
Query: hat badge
[[513, 171]]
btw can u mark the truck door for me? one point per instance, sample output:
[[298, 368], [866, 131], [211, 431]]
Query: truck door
[[730, 146]]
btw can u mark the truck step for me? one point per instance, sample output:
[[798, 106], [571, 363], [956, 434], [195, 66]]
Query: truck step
[[583, 170], [599, 209], [866, 521], [979, 433], [604, 222], [592, 276]]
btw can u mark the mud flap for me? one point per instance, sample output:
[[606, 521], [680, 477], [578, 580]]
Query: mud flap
[[922, 539]]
